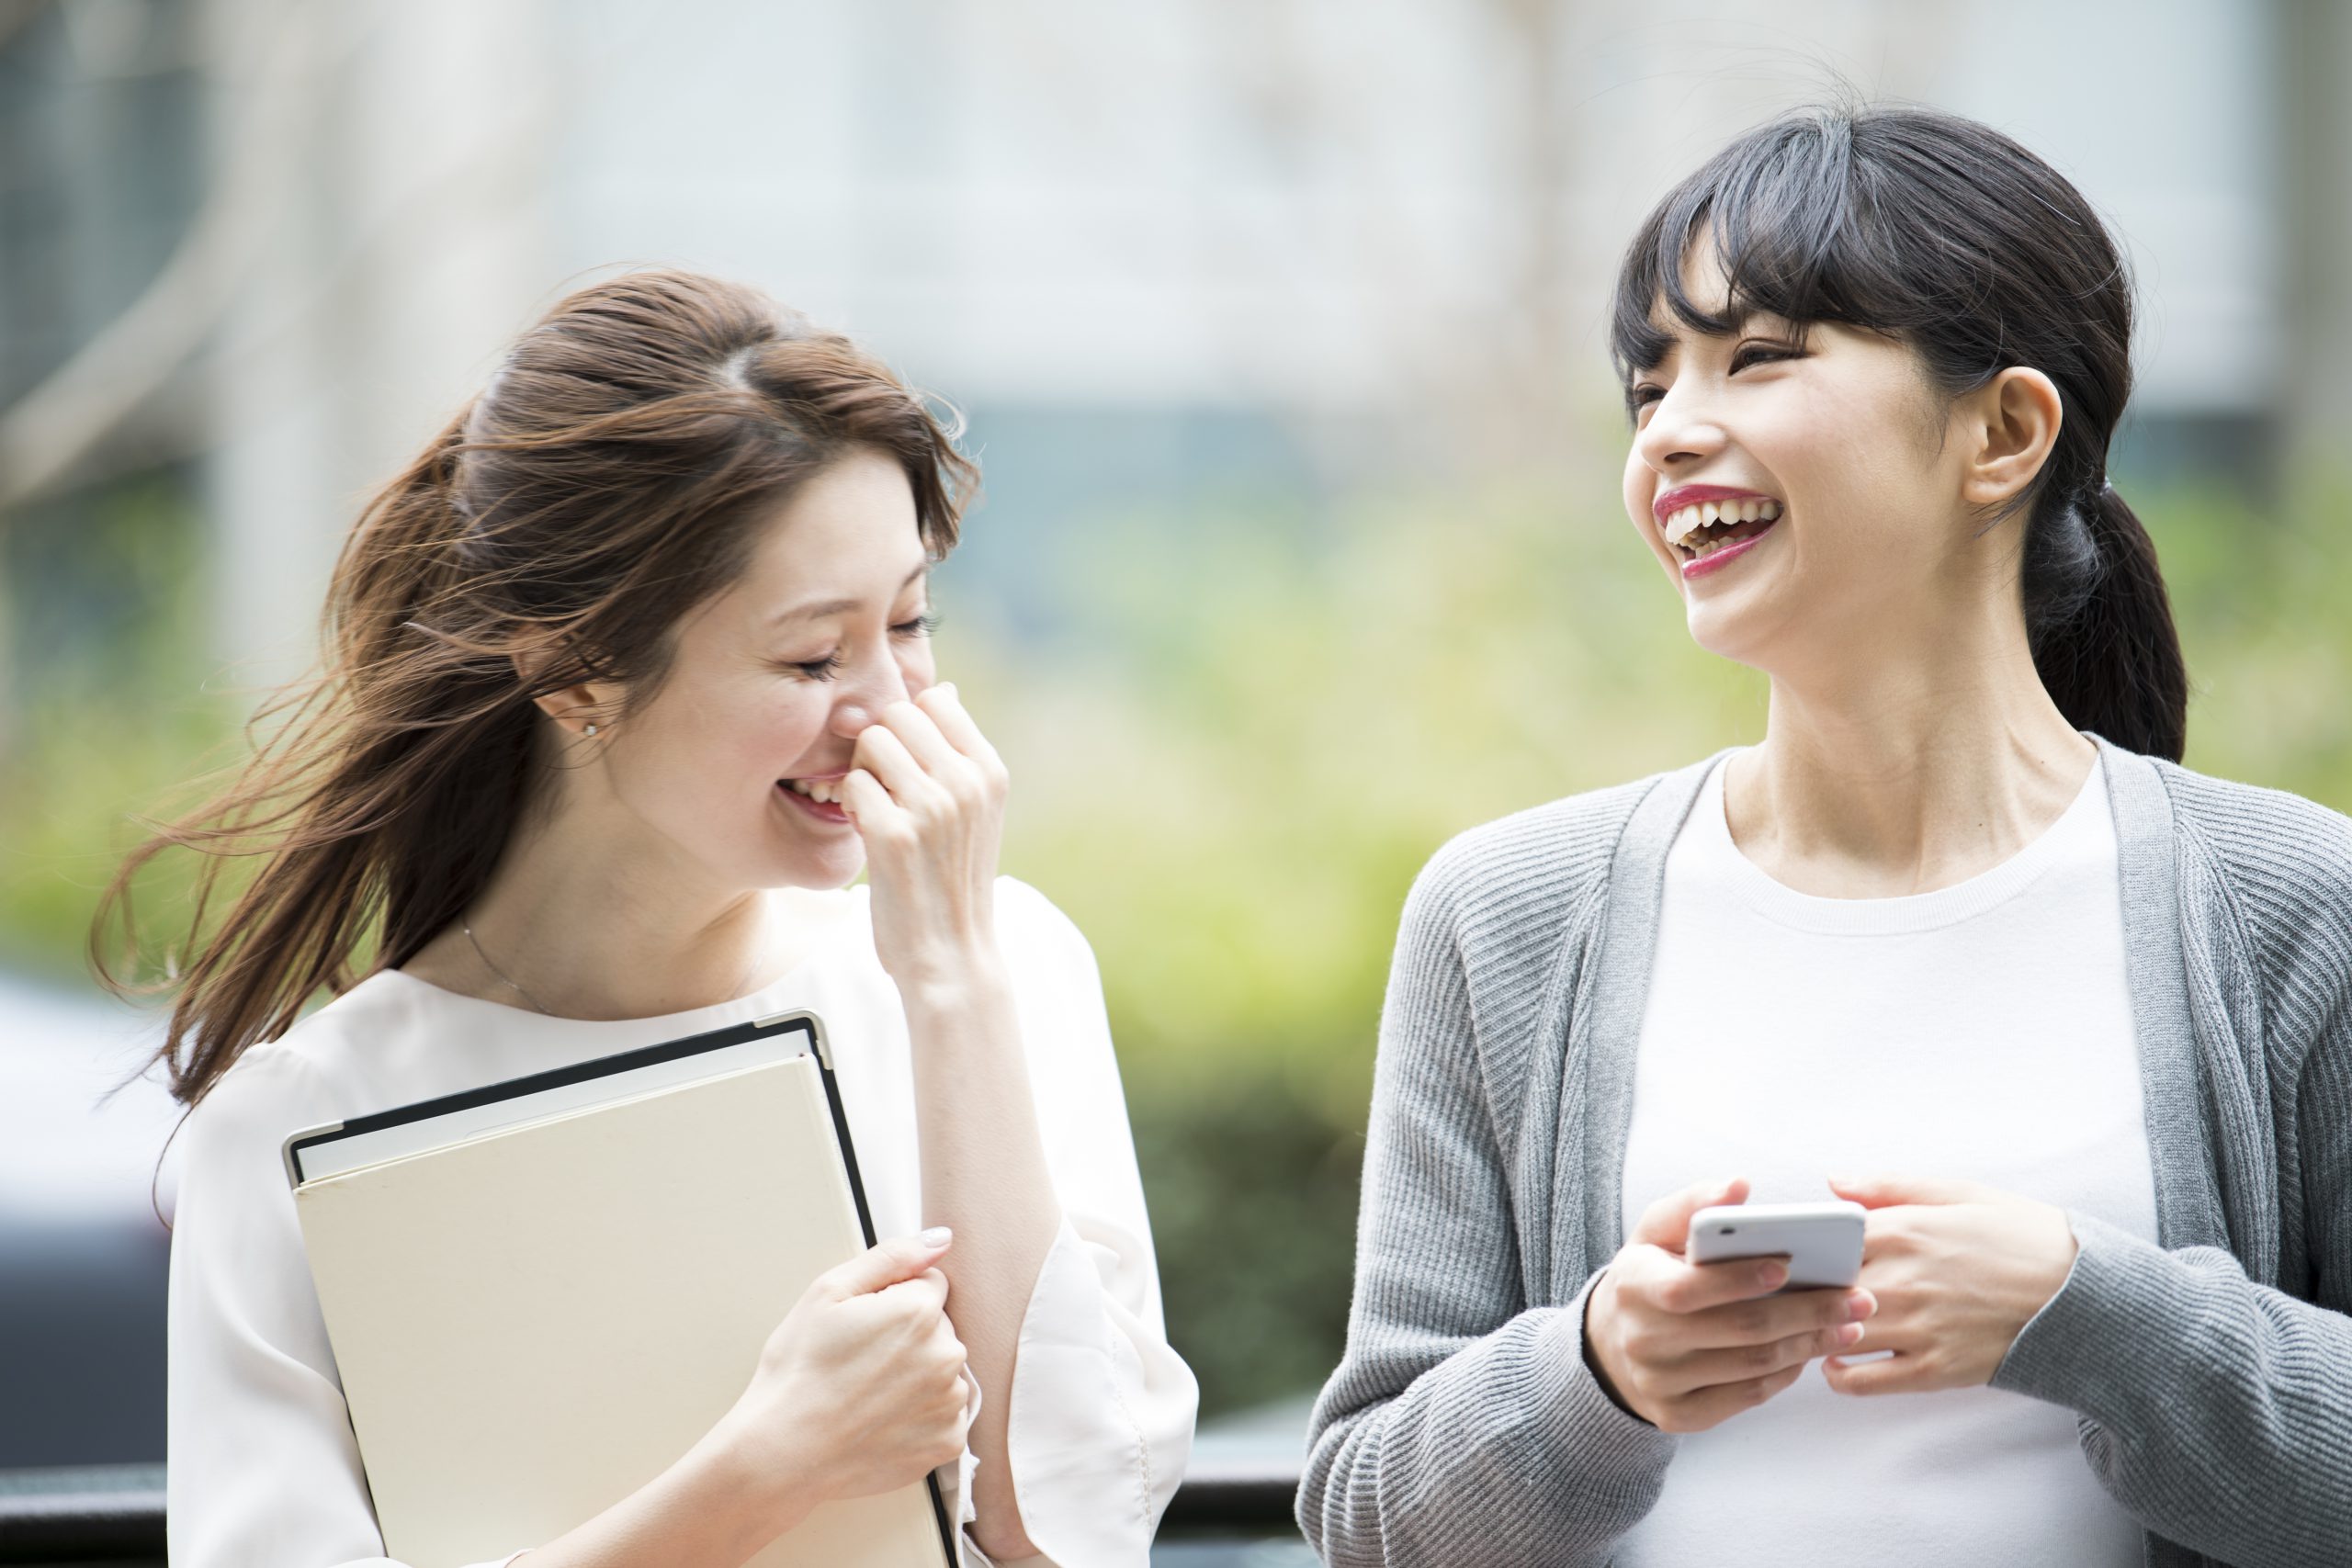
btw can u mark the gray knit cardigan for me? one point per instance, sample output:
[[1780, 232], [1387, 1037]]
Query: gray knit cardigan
[[2211, 1373]]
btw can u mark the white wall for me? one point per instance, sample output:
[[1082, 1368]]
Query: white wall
[[1315, 209], [402, 239]]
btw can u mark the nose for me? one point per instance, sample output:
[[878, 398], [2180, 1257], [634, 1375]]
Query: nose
[[1681, 432], [870, 685]]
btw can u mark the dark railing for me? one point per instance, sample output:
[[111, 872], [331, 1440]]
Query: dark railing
[[112, 1516]]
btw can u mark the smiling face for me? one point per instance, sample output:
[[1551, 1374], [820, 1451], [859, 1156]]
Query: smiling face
[[771, 680], [1798, 487]]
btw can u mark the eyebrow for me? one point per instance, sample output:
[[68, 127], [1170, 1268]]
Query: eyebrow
[[1668, 336], [1732, 326], [818, 609]]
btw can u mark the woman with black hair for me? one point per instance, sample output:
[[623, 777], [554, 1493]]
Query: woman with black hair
[[1959, 941]]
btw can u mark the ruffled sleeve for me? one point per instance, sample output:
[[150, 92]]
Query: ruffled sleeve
[[264, 1470], [1101, 1407]]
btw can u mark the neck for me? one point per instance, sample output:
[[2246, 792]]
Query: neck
[[593, 923], [1883, 777]]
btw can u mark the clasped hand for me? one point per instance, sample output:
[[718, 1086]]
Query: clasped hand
[[1951, 1271]]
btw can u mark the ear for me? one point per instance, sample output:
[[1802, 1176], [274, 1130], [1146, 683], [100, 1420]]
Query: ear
[[2008, 426], [574, 707]]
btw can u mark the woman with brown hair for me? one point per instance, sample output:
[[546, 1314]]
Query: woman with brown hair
[[628, 675]]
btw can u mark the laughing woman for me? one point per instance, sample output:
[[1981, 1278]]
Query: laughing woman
[[1959, 941], [629, 674]]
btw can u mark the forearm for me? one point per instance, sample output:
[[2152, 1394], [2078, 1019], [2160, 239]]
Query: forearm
[[2220, 1411], [1413, 1479], [985, 1176], [709, 1510]]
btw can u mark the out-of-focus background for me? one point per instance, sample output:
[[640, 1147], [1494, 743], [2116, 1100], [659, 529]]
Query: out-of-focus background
[[1278, 327]]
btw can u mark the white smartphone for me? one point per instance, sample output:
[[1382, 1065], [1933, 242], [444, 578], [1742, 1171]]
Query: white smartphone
[[1822, 1242]]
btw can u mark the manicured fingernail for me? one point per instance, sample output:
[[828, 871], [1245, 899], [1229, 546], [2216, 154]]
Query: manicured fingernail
[[937, 1235], [1772, 1276], [1849, 1335], [1861, 1304]]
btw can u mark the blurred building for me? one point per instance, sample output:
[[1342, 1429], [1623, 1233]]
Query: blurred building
[[1155, 249]]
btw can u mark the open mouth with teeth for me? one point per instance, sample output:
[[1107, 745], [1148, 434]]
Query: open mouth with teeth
[[1704, 527], [820, 798]]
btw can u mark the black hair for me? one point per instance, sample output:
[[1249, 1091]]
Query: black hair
[[1948, 236]]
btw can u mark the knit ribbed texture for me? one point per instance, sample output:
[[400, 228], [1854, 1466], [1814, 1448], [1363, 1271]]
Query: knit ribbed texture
[[2212, 1374]]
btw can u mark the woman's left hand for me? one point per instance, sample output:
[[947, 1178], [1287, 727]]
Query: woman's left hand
[[1957, 1269], [926, 792]]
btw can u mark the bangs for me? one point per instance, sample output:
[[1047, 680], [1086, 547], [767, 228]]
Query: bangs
[[1783, 210]]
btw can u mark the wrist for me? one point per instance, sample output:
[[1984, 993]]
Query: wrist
[[1592, 1354], [2062, 1250], [952, 980], [754, 1483]]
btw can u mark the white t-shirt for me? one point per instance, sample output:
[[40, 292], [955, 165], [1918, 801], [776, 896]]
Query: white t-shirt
[[1980, 1031], [264, 1471]]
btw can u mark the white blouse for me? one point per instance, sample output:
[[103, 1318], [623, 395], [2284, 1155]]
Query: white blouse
[[264, 1469]]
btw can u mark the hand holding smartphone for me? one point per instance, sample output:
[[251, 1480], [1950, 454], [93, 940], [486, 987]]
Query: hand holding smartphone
[[1698, 1318], [1822, 1242]]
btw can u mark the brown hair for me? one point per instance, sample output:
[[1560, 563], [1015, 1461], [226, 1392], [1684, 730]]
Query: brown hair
[[600, 487]]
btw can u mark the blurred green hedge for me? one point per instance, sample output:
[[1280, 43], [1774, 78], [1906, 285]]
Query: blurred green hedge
[[1229, 764]]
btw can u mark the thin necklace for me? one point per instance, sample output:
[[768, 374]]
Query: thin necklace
[[494, 968], [516, 985]]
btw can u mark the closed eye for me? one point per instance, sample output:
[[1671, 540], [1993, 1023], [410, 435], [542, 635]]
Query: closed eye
[[1753, 354], [823, 669]]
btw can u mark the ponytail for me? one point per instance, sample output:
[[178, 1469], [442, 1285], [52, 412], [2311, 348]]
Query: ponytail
[[2100, 625], [374, 808]]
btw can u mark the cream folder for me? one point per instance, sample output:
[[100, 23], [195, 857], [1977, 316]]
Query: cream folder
[[543, 1293]]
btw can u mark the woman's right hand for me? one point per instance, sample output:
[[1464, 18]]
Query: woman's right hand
[[1686, 1347], [860, 1389]]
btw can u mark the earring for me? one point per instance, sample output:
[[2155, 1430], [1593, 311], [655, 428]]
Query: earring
[[592, 731]]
